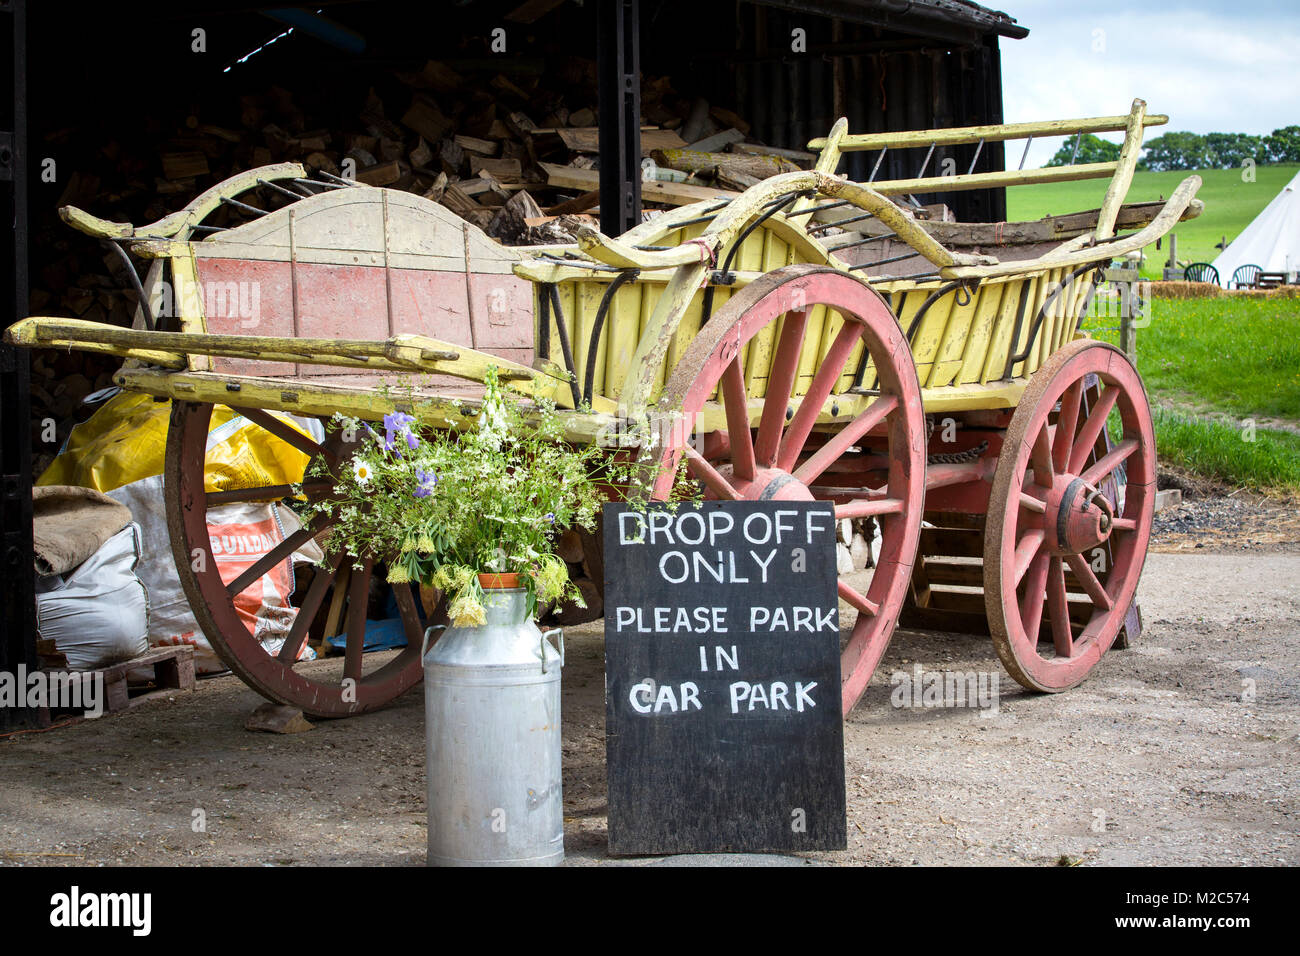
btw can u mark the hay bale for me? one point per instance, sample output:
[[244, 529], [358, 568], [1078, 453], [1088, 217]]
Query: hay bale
[[1185, 290]]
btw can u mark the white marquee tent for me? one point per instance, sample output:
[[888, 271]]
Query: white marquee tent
[[1271, 241]]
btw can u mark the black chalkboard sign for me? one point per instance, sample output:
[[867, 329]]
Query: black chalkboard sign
[[722, 679]]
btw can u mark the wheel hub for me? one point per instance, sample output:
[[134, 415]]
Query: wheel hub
[[1079, 517], [768, 484]]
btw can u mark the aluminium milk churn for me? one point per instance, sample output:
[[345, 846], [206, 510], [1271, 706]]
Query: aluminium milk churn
[[492, 739]]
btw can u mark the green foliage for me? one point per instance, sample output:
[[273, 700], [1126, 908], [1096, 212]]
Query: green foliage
[[1092, 149], [1283, 145], [1231, 202], [1232, 355], [441, 506], [1269, 460], [1213, 368], [1182, 150], [1176, 150]]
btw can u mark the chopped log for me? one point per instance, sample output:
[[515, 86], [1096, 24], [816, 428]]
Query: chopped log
[[520, 123], [425, 118], [587, 140], [509, 225], [384, 174], [421, 156], [321, 161], [455, 199], [472, 144], [583, 117], [580, 204], [730, 165], [184, 165], [502, 170], [799, 156], [277, 719], [503, 84], [435, 76], [220, 132], [361, 157], [672, 194], [718, 141], [451, 156]]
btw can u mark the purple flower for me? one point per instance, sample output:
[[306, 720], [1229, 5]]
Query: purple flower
[[398, 424], [425, 481], [550, 517]]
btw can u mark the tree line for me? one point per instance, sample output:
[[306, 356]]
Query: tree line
[[1180, 150]]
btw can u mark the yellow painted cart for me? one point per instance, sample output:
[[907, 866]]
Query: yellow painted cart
[[811, 338]]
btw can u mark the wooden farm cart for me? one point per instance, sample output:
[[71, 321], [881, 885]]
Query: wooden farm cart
[[811, 338]]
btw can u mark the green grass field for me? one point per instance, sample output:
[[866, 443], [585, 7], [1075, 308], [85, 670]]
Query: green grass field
[[1219, 372], [1230, 205]]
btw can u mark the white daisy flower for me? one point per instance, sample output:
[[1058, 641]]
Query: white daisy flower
[[361, 470]]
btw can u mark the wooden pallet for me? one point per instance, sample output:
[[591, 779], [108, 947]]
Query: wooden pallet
[[947, 587], [172, 671]]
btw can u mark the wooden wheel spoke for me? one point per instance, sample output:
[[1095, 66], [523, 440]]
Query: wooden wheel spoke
[[711, 477], [409, 613], [1088, 434], [217, 603], [1026, 551], [1058, 608], [1038, 588], [1088, 581], [828, 373], [273, 557], [858, 600], [358, 599], [1067, 423], [780, 384], [1031, 605], [311, 603], [1040, 459], [288, 433], [869, 507], [845, 439], [736, 400], [1110, 461], [1031, 503], [266, 492]]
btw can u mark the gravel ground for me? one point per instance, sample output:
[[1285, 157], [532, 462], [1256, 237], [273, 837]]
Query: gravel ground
[[1181, 750]]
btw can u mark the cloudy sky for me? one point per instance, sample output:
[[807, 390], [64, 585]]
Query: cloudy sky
[[1225, 66]]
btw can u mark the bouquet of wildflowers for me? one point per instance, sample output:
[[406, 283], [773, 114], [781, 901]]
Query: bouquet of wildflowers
[[440, 507]]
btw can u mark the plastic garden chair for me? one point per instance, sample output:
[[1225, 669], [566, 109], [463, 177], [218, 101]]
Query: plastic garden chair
[[1246, 277], [1201, 272]]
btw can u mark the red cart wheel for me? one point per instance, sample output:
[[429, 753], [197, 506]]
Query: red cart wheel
[[1050, 510], [872, 466], [319, 690]]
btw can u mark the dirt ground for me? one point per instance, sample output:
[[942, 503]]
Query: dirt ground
[[1181, 750]]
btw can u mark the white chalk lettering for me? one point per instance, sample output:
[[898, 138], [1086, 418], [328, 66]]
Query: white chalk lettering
[[814, 523], [623, 537], [644, 688]]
